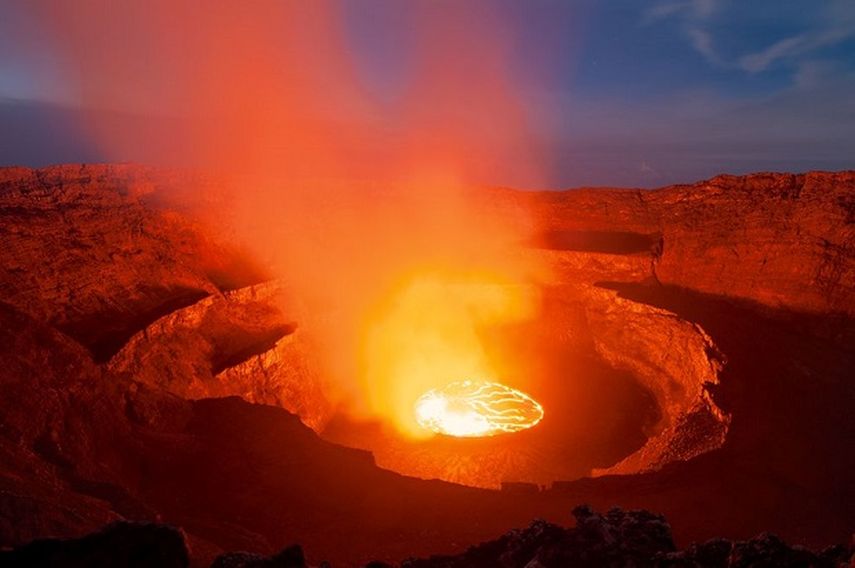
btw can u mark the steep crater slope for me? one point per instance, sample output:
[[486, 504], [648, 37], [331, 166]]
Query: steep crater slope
[[771, 252], [111, 256], [237, 343], [81, 447], [88, 250], [626, 388]]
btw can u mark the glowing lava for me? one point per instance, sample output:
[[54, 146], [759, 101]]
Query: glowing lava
[[476, 408]]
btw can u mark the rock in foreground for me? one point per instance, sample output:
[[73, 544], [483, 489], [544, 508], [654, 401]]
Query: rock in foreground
[[636, 538], [628, 538], [118, 545]]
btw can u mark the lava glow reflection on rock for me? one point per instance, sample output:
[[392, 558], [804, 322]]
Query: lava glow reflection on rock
[[476, 408]]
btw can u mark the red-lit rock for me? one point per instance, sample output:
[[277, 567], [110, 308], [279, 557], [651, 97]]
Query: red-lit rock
[[117, 307]]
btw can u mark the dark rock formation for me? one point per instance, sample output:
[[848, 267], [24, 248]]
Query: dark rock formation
[[629, 538], [291, 557], [118, 545], [617, 538]]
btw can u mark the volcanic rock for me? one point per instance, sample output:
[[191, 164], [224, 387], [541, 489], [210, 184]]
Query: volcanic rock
[[86, 251], [118, 545], [238, 343], [627, 538], [113, 257], [730, 301], [82, 447], [782, 240], [291, 557], [616, 538]]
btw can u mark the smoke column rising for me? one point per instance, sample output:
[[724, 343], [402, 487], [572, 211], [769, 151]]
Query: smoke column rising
[[363, 207]]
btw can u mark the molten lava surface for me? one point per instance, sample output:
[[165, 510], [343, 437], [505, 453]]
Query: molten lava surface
[[476, 408]]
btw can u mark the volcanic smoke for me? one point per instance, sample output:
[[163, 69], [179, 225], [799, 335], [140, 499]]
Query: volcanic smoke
[[270, 97], [319, 314]]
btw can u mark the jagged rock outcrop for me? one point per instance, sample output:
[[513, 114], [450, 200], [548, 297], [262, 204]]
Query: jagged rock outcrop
[[118, 545], [291, 557], [616, 538], [628, 538], [238, 343]]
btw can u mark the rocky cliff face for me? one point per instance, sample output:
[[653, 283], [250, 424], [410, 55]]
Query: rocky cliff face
[[235, 343], [729, 302], [782, 240], [87, 250], [677, 361]]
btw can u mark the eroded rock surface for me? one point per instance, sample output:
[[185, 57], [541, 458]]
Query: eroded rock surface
[[783, 240], [86, 250], [677, 361], [238, 343], [117, 309]]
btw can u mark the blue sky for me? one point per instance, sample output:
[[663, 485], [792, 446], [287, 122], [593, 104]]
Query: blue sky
[[616, 92]]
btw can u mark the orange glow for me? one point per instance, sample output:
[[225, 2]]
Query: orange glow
[[428, 331], [367, 211], [477, 408]]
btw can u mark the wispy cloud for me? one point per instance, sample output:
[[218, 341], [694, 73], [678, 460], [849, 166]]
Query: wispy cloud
[[693, 16], [837, 25], [698, 9], [700, 21], [761, 60], [702, 41]]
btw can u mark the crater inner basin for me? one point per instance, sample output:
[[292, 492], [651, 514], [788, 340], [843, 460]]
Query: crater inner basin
[[621, 386], [477, 408]]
